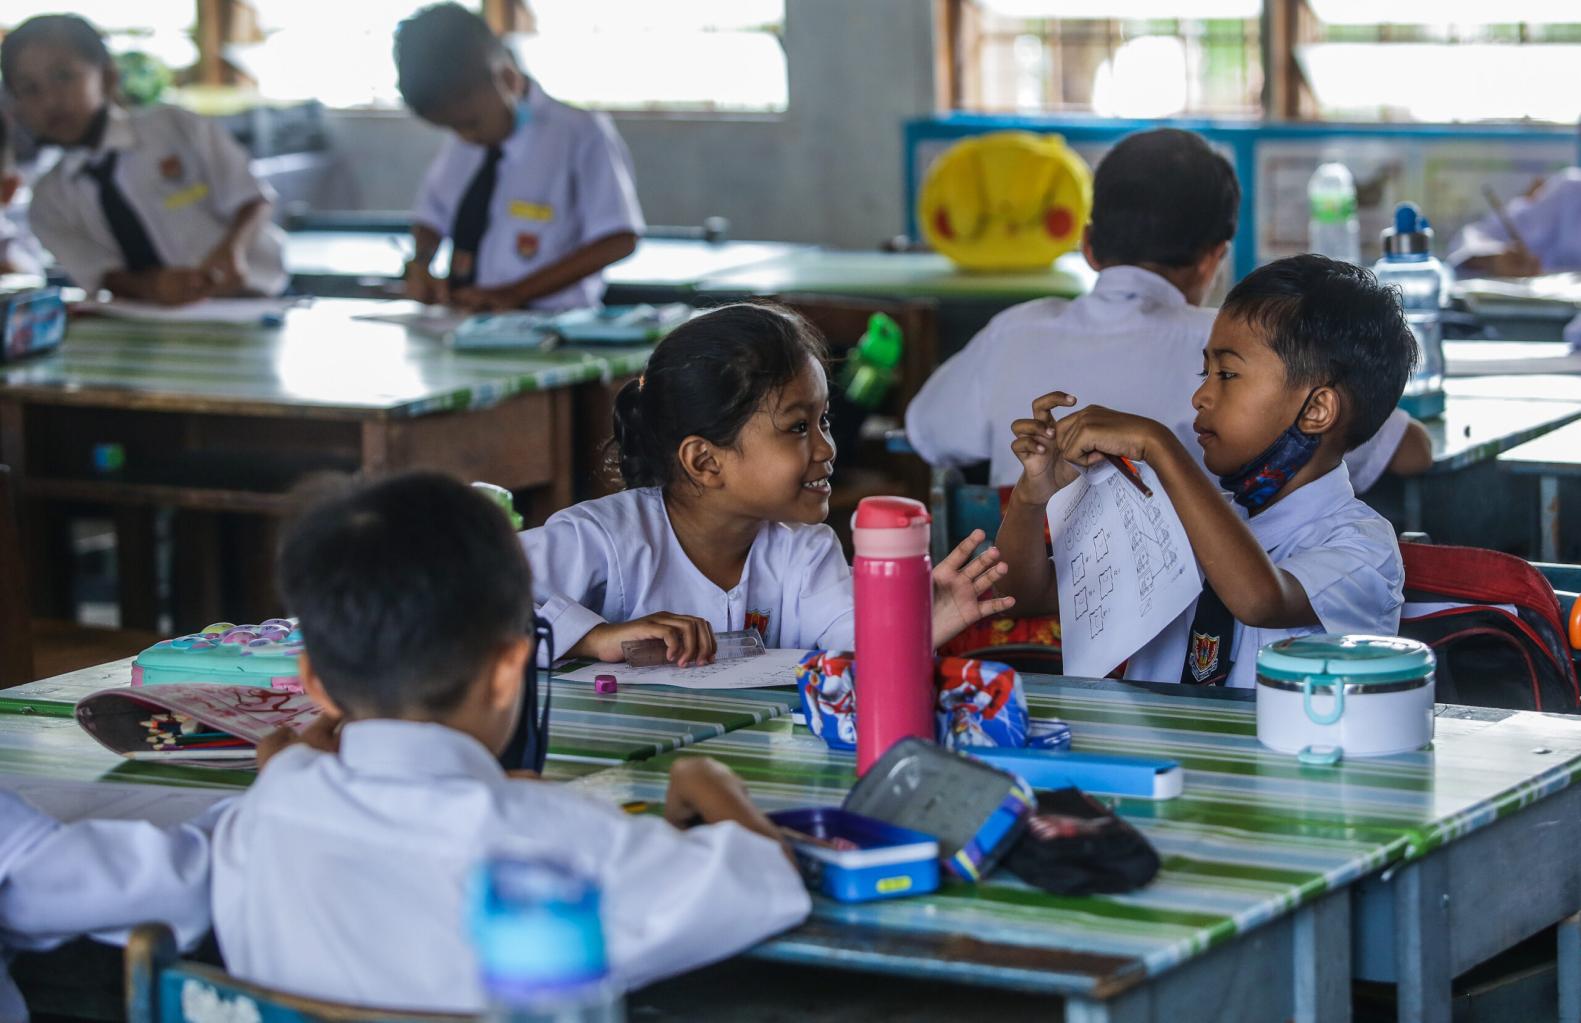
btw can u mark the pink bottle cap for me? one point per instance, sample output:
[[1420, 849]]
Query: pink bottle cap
[[890, 527], [604, 684]]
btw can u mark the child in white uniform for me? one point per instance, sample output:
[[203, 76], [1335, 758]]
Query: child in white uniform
[[1165, 207], [1307, 356], [725, 451], [155, 203], [536, 197], [101, 878], [341, 873], [1549, 222]]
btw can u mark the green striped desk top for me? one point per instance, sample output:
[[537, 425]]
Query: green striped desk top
[[584, 726], [1255, 835], [898, 275], [322, 362]]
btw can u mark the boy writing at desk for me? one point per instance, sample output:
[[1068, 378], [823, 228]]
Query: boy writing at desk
[[1307, 356], [340, 874], [535, 196]]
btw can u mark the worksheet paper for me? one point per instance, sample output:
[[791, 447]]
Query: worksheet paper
[[208, 310], [1124, 567], [771, 668]]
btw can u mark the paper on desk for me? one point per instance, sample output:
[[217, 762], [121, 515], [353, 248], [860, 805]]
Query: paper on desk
[[1124, 567], [69, 801], [208, 310], [773, 668], [433, 320]]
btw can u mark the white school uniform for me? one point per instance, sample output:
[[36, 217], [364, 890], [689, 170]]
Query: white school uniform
[[19, 251], [1133, 344], [1549, 223], [564, 180], [343, 876], [1342, 553], [617, 558], [59, 881], [184, 176]]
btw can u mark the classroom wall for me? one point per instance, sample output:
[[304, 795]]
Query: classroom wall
[[828, 170]]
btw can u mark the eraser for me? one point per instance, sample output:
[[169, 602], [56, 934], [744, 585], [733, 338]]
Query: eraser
[[604, 684]]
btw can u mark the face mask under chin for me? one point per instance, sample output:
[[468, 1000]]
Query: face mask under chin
[[1260, 480]]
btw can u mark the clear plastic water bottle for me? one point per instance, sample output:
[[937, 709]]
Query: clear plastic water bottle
[[1408, 264], [540, 945], [1332, 229]]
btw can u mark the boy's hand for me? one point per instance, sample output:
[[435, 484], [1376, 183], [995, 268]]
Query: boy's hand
[[957, 585], [178, 285], [486, 300], [702, 790], [1084, 437], [422, 286], [1514, 261], [225, 268], [1043, 472], [688, 641], [323, 734]]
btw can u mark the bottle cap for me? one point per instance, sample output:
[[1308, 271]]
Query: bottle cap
[[1411, 235], [890, 527]]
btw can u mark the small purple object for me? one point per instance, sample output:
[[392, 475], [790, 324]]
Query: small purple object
[[604, 684], [238, 636], [276, 623]]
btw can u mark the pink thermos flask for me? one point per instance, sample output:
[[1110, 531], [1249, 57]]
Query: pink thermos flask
[[894, 625]]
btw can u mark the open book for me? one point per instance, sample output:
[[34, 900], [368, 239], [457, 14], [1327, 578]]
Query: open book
[[192, 724]]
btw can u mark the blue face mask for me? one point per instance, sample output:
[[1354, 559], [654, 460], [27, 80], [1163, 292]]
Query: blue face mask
[[523, 114], [1256, 483]]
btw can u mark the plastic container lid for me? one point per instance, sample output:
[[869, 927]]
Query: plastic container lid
[[537, 931], [1410, 238], [1359, 660], [890, 527], [890, 513]]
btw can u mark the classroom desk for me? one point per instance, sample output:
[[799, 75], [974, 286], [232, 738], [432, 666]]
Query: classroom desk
[[1549, 457], [216, 418], [1252, 915]]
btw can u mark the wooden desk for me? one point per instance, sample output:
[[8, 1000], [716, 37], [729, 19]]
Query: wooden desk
[[1549, 457], [226, 419]]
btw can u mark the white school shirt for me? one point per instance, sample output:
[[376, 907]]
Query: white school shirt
[[564, 180], [1342, 553], [59, 881], [1133, 344], [1549, 222], [184, 175], [344, 876], [616, 558]]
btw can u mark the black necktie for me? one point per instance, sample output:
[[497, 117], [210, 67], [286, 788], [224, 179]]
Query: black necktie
[[137, 249], [472, 220], [1210, 645]]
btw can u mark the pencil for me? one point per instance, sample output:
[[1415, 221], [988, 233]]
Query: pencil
[[1504, 217], [1129, 472]]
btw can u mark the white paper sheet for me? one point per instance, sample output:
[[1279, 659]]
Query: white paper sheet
[[69, 801], [1124, 567], [208, 310], [773, 668]]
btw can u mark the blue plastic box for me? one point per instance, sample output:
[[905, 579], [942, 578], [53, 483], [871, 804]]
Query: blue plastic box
[[888, 862]]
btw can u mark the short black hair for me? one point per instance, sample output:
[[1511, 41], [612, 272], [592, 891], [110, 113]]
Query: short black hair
[[1332, 323], [707, 378], [72, 31], [1164, 197], [442, 53], [406, 588]]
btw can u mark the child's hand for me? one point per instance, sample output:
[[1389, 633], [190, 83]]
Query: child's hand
[[688, 641], [1084, 437], [704, 791], [957, 585], [1043, 472], [1514, 261], [177, 285], [486, 300], [323, 734], [225, 268], [423, 286]]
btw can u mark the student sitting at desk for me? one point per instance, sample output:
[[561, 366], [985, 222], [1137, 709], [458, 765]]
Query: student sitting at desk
[[1306, 358], [341, 874], [95, 877], [1164, 211], [1547, 223], [155, 203], [724, 448], [535, 196]]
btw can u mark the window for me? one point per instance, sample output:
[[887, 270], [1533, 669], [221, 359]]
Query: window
[[1407, 60], [701, 55], [1115, 58], [160, 28]]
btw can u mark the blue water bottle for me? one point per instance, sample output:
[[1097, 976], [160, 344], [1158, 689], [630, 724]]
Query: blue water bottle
[[1408, 264], [540, 945]]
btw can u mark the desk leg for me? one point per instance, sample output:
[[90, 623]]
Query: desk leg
[[1548, 503], [1421, 951], [1413, 505], [1569, 969], [1322, 977]]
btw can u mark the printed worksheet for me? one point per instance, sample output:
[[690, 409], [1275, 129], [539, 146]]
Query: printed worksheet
[[771, 668], [1124, 566]]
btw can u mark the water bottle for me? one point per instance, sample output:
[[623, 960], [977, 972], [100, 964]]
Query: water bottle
[[1332, 229], [1408, 264], [894, 625], [540, 945]]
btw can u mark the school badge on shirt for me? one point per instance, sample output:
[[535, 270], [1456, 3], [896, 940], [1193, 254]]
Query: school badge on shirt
[[170, 167], [1203, 656], [526, 244], [759, 620]]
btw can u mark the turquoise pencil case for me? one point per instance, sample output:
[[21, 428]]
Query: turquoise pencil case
[[1100, 773]]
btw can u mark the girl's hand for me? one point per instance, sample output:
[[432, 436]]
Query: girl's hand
[[687, 640], [422, 286], [958, 582], [225, 268], [486, 300], [1043, 472], [176, 285]]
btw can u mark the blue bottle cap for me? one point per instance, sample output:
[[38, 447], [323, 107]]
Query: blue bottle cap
[[537, 931]]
